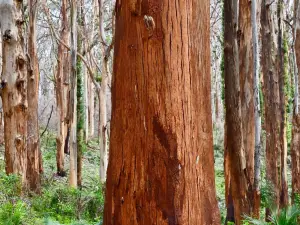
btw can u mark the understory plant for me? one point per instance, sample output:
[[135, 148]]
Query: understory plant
[[286, 216]]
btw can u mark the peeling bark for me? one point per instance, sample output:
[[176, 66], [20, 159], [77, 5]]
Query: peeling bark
[[61, 88], [239, 181], [14, 87], [257, 111], [271, 101], [295, 146], [246, 87], [34, 165], [161, 166], [284, 198]]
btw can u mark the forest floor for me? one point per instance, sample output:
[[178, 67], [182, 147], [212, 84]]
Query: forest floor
[[58, 204]]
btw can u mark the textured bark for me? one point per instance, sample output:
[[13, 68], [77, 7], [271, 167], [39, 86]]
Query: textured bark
[[284, 198], [236, 160], [271, 101], [14, 87], [257, 111], [102, 130], [247, 87], [61, 88], [72, 110], [295, 146], [80, 95], [161, 168], [33, 143]]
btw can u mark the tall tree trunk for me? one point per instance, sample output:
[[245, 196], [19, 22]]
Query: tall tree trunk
[[257, 111], [61, 88], [80, 99], [246, 88], [102, 130], [282, 105], [161, 166], [72, 111], [239, 176], [1, 106], [91, 107], [103, 122], [271, 101], [33, 143], [14, 87], [295, 146]]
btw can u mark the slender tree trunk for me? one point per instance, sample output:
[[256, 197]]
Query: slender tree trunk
[[80, 99], [91, 89], [91, 108], [86, 105], [295, 147], [61, 88], [257, 111], [102, 130], [72, 111], [1, 105], [103, 122], [271, 101], [161, 168], [14, 87], [246, 70], [246, 88], [282, 105], [239, 176], [33, 143]]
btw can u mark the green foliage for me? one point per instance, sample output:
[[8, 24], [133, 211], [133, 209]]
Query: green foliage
[[65, 204], [12, 213], [58, 203], [10, 186], [267, 195], [287, 216]]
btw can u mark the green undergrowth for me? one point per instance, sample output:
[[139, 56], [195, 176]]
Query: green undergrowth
[[58, 203]]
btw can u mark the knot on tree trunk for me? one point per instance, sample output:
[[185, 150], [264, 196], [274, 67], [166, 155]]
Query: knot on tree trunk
[[7, 36]]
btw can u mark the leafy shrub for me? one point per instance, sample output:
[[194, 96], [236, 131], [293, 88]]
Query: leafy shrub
[[12, 213], [65, 204], [287, 216]]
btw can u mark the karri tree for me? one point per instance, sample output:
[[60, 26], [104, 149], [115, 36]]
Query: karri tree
[[161, 166]]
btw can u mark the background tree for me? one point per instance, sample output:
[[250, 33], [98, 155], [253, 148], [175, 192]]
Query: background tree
[[62, 89], [271, 101], [236, 173], [34, 165], [295, 146], [72, 110]]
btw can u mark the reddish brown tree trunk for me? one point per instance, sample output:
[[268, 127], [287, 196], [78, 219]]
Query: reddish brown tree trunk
[[284, 198], [61, 89], [33, 143], [271, 100], [246, 85], [161, 168], [239, 181], [295, 146]]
